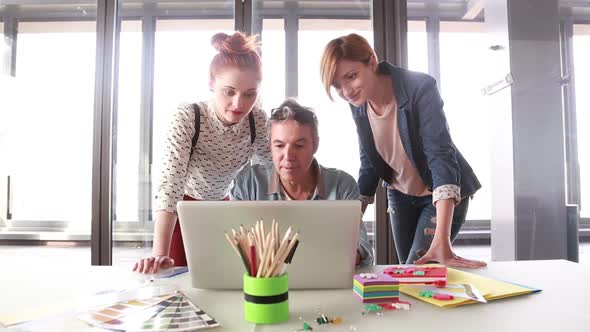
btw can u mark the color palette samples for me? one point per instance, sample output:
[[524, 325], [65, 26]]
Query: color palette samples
[[172, 312], [180, 315], [121, 309]]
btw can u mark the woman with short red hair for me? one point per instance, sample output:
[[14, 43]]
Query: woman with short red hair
[[405, 141]]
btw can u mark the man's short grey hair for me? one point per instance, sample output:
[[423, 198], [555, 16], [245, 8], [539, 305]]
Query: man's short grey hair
[[290, 109]]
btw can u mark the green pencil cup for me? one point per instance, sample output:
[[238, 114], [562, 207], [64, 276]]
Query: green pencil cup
[[266, 300]]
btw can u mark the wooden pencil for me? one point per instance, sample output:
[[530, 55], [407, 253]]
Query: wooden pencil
[[265, 254], [231, 243], [280, 252]]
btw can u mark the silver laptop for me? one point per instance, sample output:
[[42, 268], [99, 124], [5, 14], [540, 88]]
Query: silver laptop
[[325, 256]]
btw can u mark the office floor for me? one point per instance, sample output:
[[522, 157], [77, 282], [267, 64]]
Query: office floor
[[59, 254]]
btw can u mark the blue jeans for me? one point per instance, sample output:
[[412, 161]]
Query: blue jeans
[[413, 222]]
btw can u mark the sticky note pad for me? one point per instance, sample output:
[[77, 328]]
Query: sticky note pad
[[376, 288]]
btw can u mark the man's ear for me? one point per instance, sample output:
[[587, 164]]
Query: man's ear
[[317, 144], [211, 85], [373, 63]]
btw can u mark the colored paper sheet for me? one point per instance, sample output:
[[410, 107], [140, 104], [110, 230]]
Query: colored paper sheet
[[33, 312], [491, 289]]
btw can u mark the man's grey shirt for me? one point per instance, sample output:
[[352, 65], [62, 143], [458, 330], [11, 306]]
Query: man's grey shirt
[[261, 183]]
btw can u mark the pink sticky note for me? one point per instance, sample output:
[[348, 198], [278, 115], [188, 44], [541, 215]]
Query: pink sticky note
[[443, 297]]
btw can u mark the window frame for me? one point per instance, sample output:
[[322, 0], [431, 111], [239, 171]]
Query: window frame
[[149, 12]]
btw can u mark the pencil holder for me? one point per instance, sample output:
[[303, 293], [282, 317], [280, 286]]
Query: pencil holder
[[266, 300]]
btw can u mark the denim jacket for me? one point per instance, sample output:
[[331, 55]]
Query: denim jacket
[[424, 133]]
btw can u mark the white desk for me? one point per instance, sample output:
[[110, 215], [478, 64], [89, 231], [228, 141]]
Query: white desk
[[561, 306]]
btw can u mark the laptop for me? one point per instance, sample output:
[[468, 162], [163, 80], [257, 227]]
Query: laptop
[[325, 256]]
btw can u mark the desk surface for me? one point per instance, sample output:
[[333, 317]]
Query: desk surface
[[562, 306]]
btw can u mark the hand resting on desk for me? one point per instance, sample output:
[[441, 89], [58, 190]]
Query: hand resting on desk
[[153, 264]]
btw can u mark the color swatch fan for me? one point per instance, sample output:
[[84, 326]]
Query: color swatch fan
[[173, 312]]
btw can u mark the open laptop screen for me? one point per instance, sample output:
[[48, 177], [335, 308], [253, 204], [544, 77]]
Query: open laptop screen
[[326, 254]]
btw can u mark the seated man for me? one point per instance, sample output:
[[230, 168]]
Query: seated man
[[296, 175]]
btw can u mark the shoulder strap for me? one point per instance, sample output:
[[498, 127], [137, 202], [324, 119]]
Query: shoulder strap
[[252, 128], [197, 124]]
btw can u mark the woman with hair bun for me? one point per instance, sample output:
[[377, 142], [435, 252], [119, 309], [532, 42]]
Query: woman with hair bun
[[208, 143]]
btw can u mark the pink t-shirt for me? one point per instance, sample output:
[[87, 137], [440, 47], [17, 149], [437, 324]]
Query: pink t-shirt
[[389, 146]]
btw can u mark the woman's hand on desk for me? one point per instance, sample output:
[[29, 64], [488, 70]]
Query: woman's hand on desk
[[153, 264], [442, 252]]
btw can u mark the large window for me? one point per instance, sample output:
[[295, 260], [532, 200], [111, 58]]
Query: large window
[[292, 43], [582, 73], [49, 142], [4, 50], [273, 63], [163, 61], [127, 121], [47, 111], [338, 139], [465, 106], [463, 74], [417, 46], [183, 52], [47, 81], [7, 86]]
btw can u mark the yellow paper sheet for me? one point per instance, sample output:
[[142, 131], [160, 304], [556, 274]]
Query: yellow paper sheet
[[35, 311], [490, 289]]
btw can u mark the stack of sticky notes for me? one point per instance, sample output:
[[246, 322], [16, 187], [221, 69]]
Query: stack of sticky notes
[[418, 274], [376, 288]]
